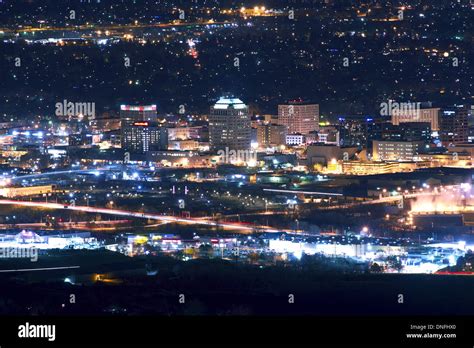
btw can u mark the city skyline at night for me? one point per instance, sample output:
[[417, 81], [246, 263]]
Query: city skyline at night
[[225, 160]]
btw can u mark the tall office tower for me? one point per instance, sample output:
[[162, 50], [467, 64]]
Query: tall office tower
[[229, 125], [299, 117], [143, 113], [138, 129], [141, 137], [271, 135], [430, 115], [454, 125], [353, 131]]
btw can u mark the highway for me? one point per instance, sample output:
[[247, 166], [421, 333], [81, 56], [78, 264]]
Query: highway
[[305, 192], [125, 213], [46, 174], [390, 199], [38, 269]]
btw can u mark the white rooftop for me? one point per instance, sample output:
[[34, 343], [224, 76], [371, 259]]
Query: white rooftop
[[226, 103]]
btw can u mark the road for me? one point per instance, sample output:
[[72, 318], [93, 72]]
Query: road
[[46, 174], [390, 199], [117, 212]]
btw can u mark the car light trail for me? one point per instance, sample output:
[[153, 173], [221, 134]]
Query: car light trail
[[37, 269], [118, 212]]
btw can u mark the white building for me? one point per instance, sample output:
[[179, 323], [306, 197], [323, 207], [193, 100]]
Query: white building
[[295, 139]]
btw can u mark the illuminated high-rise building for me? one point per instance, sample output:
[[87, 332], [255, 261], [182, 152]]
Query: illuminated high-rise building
[[130, 114], [139, 131], [299, 117], [141, 137], [454, 125], [271, 135], [229, 125]]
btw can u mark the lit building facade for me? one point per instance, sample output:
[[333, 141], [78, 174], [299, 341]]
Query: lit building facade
[[141, 137], [299, 117], [230, 125], [269, 135], [396, 150], [454, 126], [130, 114], [295, 139], [183, 145], [11, 192], [184, 133], [431, 116], [369, 168], [329, 135]]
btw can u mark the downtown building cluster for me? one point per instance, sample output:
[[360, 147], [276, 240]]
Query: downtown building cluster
[[297, 136]]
